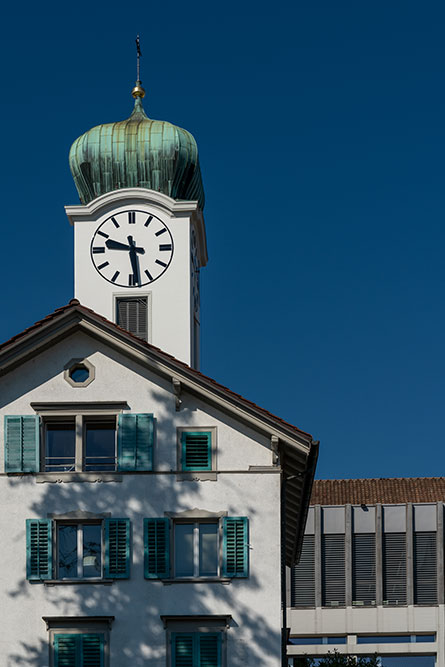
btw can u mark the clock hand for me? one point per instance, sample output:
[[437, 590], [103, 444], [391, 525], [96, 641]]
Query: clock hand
[[134, 259], [116, 245]]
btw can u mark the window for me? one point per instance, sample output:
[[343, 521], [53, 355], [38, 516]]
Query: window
[[79, 642], [197, 450], [132, 315], [333, 569], [425, 568], [79, 372], [198, 548], [394, 568], [69, 549], [78, 442], [303, 576], [363, 569], [196, 649]]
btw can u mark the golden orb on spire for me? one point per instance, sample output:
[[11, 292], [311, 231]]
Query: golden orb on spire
[[138, 90]]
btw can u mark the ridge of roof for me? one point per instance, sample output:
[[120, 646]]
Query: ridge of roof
[[75, 305], [385, 490]]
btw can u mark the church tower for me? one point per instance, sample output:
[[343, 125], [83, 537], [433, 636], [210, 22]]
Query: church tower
[[139, 232]]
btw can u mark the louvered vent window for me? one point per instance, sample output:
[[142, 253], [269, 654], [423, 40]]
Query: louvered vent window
[[363, 569], [425, 568], [333, 574], [132, 315], [394, 568], [196, 450], [303, 576]]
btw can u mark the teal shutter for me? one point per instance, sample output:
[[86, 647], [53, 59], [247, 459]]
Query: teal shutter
[[196, 450], [135, 441], [209, 649], [66, 651], [183, 649], [156, 548], [21, 443], [117, 548], [38, 549], [235, 546], [79, 650]]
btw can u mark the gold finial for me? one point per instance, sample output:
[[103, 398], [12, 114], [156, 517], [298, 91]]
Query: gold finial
[[138, 90]]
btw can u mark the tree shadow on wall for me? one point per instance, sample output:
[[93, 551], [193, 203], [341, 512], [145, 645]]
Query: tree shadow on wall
[[138, 636]]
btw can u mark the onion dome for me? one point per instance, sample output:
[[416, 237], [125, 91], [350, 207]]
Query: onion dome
[[137, 152]]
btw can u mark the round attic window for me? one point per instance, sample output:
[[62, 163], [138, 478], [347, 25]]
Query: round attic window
[[79, 372]]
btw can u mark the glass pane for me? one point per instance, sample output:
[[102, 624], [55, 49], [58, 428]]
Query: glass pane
[[100, 446], [67, 561], [208, 549], [60, 447], [92, 550], [184, 550], [384, 639], [408, 661], [79, 374]]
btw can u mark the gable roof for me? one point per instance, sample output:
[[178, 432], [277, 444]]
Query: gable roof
[[373, 491], [297, 450]]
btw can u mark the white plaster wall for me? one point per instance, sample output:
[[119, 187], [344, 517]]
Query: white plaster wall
[[171, 312], [138, 637]]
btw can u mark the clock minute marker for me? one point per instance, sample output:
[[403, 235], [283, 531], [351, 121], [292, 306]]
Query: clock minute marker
[[165, 246], [148, 274], [161, 231], [98, 249], [158, 261], [115, 277], [102, 234], [102, 266], [131, 217], [149, 219], [115, 223]]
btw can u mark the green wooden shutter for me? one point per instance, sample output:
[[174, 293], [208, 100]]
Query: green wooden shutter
[[66, 650], [92, 650], [38, 549], [21, 443], [196, 450], [235, 546], [117, 548], [135, 441], [156, 548], [209, 649], [183, 649]]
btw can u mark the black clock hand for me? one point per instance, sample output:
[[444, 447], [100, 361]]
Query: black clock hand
[[134, 259], [116, 245]]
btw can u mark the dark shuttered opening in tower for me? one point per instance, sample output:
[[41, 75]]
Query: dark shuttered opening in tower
[[303, 576], [394, 568], [131, 314], [425, 568], [333, 575], [363, 569]]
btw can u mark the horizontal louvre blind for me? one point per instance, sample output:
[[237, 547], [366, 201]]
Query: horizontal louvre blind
[[117, 548], [209, 649], [363, 568], [394, 568], [21, 443], [333, 572], [38, 549], [92, 650], [425, 568], [66, 651], [303, 576], [132, 315], [235, 547], [157, 548], [183, 649], [196, 451]]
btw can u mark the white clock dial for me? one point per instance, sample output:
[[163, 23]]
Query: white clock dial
[[132, 248]]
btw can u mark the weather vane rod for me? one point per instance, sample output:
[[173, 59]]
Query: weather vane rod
[[139, 54]]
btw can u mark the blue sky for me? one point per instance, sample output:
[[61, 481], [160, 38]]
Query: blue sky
[[321, 129]]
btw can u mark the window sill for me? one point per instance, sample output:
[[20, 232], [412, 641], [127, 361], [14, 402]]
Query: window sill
[[54, 477], [197, 476], [196, 580], [71, 582]]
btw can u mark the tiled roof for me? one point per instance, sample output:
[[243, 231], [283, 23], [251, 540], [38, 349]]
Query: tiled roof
[[74, 305], [372, 491]]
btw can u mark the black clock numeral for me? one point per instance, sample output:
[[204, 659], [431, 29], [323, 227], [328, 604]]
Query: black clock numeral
[[102, 266], [165, 246], [103, 234], [158, 261], [115, 277], [131, 217], [115, 222], [161, 231], [98, 250], [148, 274], [148, 220]]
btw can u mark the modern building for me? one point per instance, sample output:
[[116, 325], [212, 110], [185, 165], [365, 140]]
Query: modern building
[[142, 502], [371, 574]]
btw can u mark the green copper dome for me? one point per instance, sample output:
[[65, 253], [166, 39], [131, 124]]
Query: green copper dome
[[137, 152]]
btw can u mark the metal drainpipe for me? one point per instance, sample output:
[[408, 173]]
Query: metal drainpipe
[[283, 576]]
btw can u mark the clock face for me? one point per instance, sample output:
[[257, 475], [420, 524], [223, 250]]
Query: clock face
[[132, 248]]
